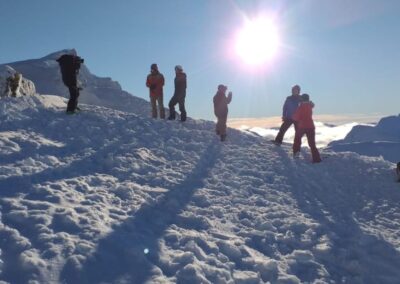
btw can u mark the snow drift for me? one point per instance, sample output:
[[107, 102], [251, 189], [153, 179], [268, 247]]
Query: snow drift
[[380, 140], [106, 196]]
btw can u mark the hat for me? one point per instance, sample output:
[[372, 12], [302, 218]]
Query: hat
[[178, 68], [154, 66], [222, 87], [296, 87], [305, 97]]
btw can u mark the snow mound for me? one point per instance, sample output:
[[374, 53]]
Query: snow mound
[[105, 196], [26, 88], [380, 140], [45, 74]]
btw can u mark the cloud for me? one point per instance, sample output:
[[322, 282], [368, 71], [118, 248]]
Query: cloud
[[328, 127]]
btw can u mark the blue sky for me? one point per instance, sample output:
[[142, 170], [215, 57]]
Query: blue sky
[[345, 54]]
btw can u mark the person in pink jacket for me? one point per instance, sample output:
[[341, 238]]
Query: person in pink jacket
[[305, 125]]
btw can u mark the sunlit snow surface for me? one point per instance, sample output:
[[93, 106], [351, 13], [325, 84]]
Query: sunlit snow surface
[[105, 196]]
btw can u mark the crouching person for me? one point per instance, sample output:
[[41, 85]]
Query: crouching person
[[305, 125], [70, 65], [221, 102]]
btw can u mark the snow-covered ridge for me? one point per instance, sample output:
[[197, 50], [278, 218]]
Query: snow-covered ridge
[[380, 140], [105, 196], [45, 74]]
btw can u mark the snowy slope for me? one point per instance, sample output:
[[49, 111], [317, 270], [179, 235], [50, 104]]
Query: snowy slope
[[380, 140], [111, 197], [45, 74]]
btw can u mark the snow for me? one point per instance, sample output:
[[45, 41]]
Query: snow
[[26, 88], [381, 140], [45, 74], [107, 196]]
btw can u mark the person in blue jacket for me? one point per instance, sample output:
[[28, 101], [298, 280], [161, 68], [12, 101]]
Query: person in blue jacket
[[290, 106]]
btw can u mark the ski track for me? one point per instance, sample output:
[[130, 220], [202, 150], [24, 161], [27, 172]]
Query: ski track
[[109, 197]]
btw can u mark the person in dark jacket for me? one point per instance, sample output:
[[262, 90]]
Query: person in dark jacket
[[70, 65], [305, 126], [179, 94], [155, 82], [289, 107], [221, 110], [398, 171]]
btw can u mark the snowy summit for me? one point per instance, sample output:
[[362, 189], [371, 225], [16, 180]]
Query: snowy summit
[[108, 196]]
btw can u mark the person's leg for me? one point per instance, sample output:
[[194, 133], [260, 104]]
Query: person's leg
[[182, 108], [297, 141], [222, 129], [161, 106], [171, 106], [153, 101], [282, 130], [73, 96], [310, 133]]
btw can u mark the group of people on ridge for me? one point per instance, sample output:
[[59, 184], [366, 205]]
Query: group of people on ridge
[[155, 82], [297, 110]]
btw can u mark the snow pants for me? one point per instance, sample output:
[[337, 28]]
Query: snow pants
[[310, 133], [172, 103], [284, 127], [154, 100], [220, 128]]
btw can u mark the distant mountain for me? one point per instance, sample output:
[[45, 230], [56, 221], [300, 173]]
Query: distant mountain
[[380, 140], [46, 76]]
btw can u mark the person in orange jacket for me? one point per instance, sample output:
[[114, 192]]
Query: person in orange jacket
[[305, 125], [155, 82], [221, 110]]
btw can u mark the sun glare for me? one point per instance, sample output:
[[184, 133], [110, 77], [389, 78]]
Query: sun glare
[[257, 42]]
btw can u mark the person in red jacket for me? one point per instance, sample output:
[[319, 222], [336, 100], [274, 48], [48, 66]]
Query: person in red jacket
[[155, 83], [221, 110], [305, 125]]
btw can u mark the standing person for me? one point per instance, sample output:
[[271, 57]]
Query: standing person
[[221, 110], [289, 107], [305, 125], [398, 171], [155, 83], [179, 94], [13, 84], [70, 65]]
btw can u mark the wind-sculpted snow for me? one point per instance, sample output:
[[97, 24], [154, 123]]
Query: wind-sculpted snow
[[380, 140], [105, 196]]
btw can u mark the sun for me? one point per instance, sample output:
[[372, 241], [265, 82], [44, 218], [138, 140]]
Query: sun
[[258, 41]]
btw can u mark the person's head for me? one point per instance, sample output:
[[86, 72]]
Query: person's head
[[305, 98], [296, 90], [154, 68], [178, 69], [222, 88]]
